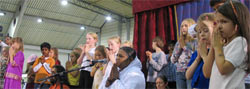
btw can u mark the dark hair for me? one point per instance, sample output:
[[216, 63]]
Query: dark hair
[[163, 78], [101, 49], [45, 45], [159, 42], [62, 78], [130, 52], [171, 43], [239, 14], [214, 2]]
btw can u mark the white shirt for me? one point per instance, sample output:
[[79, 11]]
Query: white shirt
[[129, 78], [235, 53], [87, 63]]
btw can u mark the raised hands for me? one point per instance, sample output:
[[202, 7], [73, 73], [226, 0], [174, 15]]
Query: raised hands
[[149, 55], [217, 40], [113, 76], [111, 56], [11, 55], [42, 59], [202, 49]]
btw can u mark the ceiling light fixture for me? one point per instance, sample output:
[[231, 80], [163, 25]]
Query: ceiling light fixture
[[82, 28], [64, 2], [2, 13], [39, 20], [108, 18]]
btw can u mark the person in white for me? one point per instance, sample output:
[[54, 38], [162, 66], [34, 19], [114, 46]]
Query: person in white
[[126, 72], [229, 44]]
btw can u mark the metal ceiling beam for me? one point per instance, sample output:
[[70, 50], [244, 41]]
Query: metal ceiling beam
[[97, 9], [107, 10], [124, 2], [17, 18], [56, 20]]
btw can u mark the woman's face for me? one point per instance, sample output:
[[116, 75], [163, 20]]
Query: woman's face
[[90, 40], [113, 46], [160, 84], [121, 57], [98, 55]]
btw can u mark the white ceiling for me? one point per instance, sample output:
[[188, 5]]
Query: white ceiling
[[61, 24]]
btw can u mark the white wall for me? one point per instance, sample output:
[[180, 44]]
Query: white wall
[[111, 29], [29, 49]]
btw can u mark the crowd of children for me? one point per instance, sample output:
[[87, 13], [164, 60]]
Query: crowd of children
[[210, 54]]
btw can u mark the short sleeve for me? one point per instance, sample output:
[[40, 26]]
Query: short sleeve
[[235, 51]]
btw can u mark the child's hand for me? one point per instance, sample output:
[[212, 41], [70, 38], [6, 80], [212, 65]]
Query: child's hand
[[149, 54], [113, 76], [111, 57], [87, 48], [82, 47], [41, 59], [13, 63], [217, 40], [202, 47], [98, 65]]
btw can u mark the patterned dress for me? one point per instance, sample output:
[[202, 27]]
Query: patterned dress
[[3, 66]]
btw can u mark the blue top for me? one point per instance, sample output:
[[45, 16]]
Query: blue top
[[198, 80]]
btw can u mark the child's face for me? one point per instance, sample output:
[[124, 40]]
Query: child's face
[[5, 53], [184, 27], [225, 26], [121, 57], [90, 40], [15, 45], [7, 40], [113, 46], [205, 32], [51, 53], [73, 57], [98, 55], [154, 45], [160, 84], [45, 51]]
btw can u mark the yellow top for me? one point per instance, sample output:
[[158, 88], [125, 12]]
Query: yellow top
[[74, 81]]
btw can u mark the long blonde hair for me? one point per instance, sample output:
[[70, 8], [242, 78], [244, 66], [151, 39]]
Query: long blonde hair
[[117, 39], [94, 35], [190, 22]]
